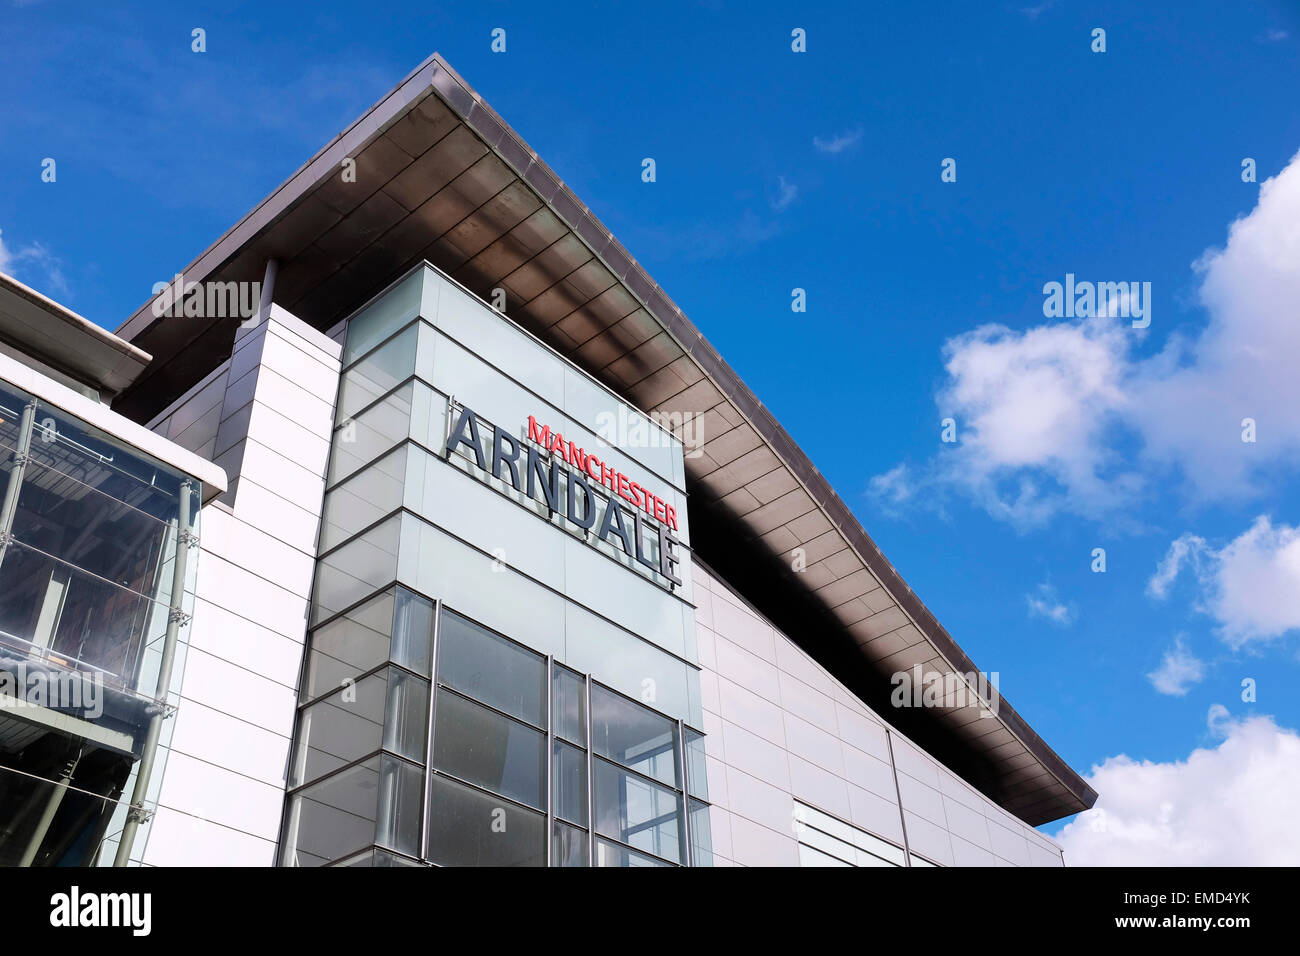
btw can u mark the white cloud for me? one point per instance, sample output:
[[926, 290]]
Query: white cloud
[[786, 194], [1186, 547], [33, 264], [1228, 805], [894, 487], [1042, 412], [1034, 411], [1251, 586], [1179, 670], [839, 142], [1044, 603]]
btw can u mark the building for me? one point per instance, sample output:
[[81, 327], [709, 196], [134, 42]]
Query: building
[[499, 562]]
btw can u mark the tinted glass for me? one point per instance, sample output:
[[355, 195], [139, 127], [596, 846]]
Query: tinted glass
[[637, 812], [469, 828], [633, 735], [492, 669], [570, 705], [610, 854], [569, 776], [489, 750], [568, 845]]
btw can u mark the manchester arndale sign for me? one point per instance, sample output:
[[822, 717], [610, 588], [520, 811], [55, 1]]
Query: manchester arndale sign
[[547, 468]]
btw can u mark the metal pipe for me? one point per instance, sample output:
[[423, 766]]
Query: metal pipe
[[898, 792], [550, 759], [591, 779], [16, 472], [428, 743], [51, 808], [136, 812]]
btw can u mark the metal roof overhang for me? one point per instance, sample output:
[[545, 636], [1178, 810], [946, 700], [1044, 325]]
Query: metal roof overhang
[[441, 177]]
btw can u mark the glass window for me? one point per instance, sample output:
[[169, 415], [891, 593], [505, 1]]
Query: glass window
[[569, 777], [378, 373], [490, 668], [637, 812], [697, 775], [363, 565], [388, 709], [377, 802], [484, 748], [384, 316], [360, 440], [372, 493], [849, 844], [810, 857], [58, 613], [348, 646], [701, 835], [633, 735], [413, 631], [568, 845], [569, 708], [611, 854], [469, 828]]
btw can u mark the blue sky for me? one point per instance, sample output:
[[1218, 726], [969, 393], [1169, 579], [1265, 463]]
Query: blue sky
[[821, 171]]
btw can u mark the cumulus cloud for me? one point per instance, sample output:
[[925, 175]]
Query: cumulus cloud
[[1231, 804], [1251, 586], [1066, 417], [1179, 670], [1044, 603], [1034, 412], [839, 142]]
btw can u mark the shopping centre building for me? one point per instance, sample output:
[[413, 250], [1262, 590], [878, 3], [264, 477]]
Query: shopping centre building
[[440, 535]]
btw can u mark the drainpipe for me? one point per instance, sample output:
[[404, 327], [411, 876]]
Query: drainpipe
[[16, 472], [137, 814], [51, 808]]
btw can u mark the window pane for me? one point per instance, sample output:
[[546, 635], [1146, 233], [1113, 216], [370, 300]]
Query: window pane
[[388, 709], [568, 845], [412, 631], [378, 373], [348, 646], [375, 802], [570, 705], [492, 669], [569, 775], [56, 613], [637, 812], [633, 735], [610, 854], [701, 835], [489, 750], [697, 776], [372, 493], [469, 828], [363, 565], [810, 857], [360, 440]]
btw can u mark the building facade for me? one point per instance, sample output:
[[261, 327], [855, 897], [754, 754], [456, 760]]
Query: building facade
[[500, 564]]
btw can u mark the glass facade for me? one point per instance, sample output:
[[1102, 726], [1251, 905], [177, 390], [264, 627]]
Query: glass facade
[[89, 534], [450, 651], [512, 756]]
